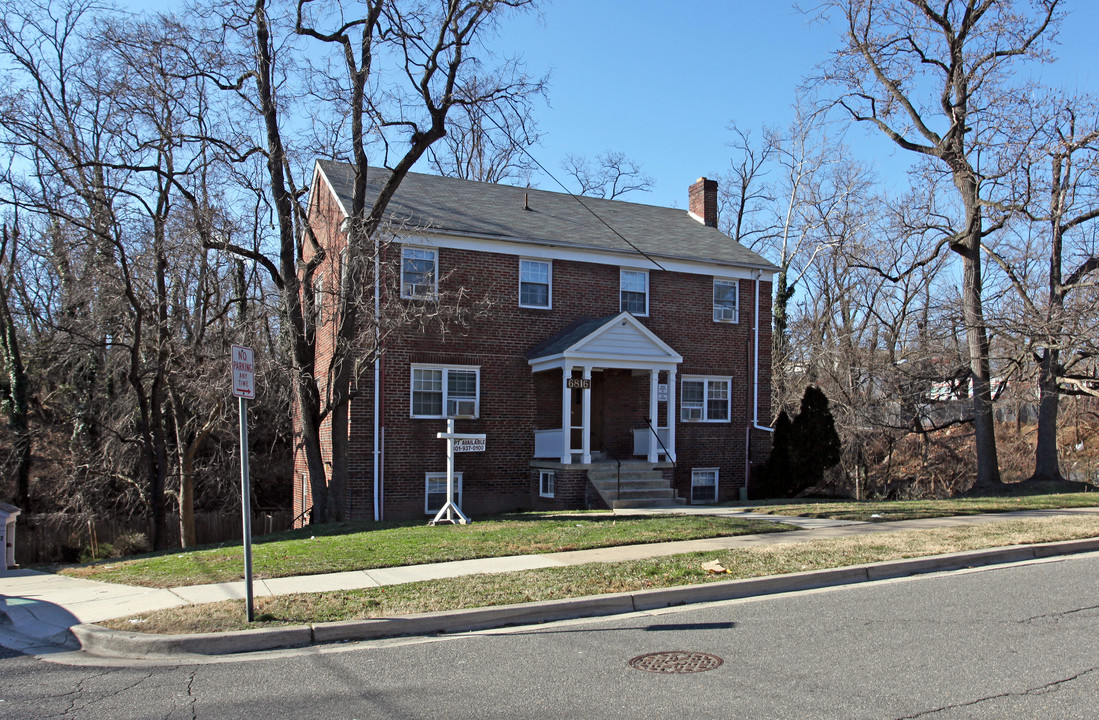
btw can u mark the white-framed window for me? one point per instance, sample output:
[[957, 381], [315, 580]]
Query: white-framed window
[[345, 270], [435, 494], [440, 391], [535, 283], [419, 272], [726, 301], [633, 291], [704, 485], [705, 399], [318, 300], [546, 481]]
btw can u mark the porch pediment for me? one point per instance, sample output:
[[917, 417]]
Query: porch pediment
[[617, 341]]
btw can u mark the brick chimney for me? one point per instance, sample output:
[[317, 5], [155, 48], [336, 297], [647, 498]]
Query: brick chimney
[[703, 201]]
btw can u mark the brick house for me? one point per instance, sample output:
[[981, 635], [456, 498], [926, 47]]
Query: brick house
[[624, 358]]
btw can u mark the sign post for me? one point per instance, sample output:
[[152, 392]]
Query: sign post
[[244, 388], [455, 443]]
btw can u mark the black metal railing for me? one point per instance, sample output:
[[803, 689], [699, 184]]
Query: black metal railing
[[667, 455]]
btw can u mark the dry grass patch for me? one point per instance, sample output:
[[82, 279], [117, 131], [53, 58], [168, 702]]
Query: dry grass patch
[[599, 578], [889, 510]]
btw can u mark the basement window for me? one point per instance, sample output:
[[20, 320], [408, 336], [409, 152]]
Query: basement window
[[546, 481], [435, 497], [704, 485]]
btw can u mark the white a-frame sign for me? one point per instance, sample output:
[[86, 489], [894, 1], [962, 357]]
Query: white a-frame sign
[[455, 442]]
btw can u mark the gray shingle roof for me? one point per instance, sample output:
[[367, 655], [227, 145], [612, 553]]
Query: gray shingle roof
[[465, 207], [570, 334]]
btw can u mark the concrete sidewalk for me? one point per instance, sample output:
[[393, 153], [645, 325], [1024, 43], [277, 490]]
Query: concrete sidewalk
[[38, 609]]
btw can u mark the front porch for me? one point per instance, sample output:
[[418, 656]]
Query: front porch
[[614, 376]]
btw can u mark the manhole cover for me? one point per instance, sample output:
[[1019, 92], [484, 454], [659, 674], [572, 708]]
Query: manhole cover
[[676, 661]]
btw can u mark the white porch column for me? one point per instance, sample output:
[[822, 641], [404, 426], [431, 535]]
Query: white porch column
[[654, 419], [566, 416], [585, 434], [671, 415]]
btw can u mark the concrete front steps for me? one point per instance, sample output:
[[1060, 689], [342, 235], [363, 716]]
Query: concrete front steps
[[636, 484]]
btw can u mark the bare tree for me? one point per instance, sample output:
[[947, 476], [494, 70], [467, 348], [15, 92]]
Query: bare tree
[[398, 68], [488, 143], [108, 157], [15, 390], [745, 194], [814, 200], [609, 176], [1058, 186], [929, 79]]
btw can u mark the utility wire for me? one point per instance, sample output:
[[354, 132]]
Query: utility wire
[[575, 197]]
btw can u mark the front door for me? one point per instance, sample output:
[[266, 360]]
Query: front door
[[577, 415]]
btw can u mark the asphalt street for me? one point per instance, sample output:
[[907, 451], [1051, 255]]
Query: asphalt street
[[1015, 641]]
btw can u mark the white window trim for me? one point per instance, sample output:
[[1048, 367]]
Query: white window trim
[[706, 380], [549, 283], [405, 294], [717, 481], [318, 300], [621, 274], [542, 476], [446, 394], [441, 476], [736, 306]]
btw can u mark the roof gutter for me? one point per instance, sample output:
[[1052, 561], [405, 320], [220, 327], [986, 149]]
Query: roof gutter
[[764, 267]]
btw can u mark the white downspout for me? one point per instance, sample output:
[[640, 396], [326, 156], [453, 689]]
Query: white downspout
[[377, 381], [755, 396], [755, 376]]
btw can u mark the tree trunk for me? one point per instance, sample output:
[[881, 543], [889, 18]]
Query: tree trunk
[[1047, 465], [18, 405], [984, 427], [297, 323]]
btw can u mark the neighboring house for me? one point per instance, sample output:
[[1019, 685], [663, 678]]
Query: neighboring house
[[590, 346]]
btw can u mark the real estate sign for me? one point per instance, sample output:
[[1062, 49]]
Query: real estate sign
[[469, 444]]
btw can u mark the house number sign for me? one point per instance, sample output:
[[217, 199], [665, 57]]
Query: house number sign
[[578, 383]]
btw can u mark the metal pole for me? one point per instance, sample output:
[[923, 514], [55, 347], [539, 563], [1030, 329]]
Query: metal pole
[[246, 507], [450, 470]]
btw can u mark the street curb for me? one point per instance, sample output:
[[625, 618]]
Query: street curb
[[98, 640]]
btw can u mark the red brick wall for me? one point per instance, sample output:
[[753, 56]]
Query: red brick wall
[[326, 217], [515, 402]]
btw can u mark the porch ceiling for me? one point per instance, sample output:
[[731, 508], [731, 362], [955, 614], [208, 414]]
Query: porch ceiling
[[616, 341]]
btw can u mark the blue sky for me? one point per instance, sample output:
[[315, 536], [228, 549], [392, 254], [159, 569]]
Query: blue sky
[[661, 81]]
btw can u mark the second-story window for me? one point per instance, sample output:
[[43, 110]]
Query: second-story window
[[634, 292], [418, 273], [535, 280], [318, 300], [726, 296]]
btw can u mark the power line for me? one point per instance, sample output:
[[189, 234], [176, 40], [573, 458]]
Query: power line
[[575, 197]]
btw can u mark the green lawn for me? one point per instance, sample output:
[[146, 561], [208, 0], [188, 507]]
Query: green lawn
[[597, 578], [339, 547], [336, 548]]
